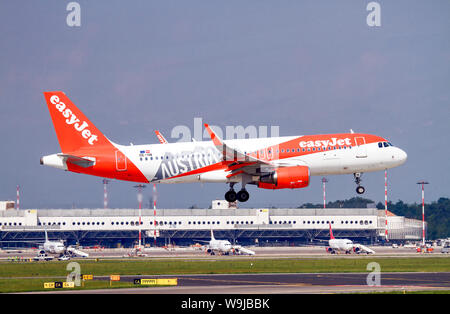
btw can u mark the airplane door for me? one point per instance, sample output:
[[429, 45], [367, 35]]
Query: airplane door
[[121, 161], [361, 150]]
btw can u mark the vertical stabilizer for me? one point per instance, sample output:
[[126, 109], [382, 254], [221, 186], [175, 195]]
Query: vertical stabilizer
[[73, 129], [331, 233]]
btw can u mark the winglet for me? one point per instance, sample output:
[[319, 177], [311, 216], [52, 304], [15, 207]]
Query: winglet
[[216, 140], [161, 138]]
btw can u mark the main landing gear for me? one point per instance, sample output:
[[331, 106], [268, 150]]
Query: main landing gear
[[359, 189], [232, 196]]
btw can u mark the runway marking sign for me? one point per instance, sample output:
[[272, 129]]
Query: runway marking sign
[[49, 285], [69, 284], [59, 285], [88, 277], [156, 282]]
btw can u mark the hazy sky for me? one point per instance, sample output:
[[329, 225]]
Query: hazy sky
[[306, 66]]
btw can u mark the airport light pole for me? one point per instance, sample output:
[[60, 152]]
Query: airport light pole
[[105, 193], [154, 213], [18, 197], [324, 181], [385, 206], [423, 210], [139, 188]]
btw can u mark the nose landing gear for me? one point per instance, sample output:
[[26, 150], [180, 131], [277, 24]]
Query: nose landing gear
[[359, 189]]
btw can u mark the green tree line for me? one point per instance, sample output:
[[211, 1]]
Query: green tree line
[[437, 213]]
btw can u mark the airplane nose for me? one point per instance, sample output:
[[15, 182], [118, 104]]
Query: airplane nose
[[402, 156]]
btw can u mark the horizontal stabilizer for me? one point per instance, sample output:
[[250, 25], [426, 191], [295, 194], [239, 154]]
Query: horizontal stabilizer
[[79, 161]]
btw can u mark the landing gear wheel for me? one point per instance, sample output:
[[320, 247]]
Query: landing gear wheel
[[360, 190], [231, 196], [243, 196]]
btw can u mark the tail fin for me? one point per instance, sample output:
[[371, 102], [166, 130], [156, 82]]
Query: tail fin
[[46, 235], [73, 128], [212, 235], [331, 233]]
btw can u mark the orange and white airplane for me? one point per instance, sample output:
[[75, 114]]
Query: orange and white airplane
[[269, 163]]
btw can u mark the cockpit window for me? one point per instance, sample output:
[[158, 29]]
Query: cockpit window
[[384, 144]]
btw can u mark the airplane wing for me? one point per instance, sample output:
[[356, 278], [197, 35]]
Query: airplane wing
[[161, 138], [239, 162], [79, 161], [204, 241]]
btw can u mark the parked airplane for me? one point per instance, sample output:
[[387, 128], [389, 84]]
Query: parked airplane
[[345, 245], [52, 247], [58, 248], [268, 163], [225, 247], [218, 246]]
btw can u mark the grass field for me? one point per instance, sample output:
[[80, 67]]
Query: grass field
[[31, 276]]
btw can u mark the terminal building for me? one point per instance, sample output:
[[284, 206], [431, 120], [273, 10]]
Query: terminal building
[[258, 226]]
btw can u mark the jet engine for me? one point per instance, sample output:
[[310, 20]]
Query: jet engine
[[295, 177]]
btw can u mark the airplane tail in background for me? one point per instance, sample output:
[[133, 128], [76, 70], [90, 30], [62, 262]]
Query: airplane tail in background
[[331, 233], [73, 129], [212, 235]]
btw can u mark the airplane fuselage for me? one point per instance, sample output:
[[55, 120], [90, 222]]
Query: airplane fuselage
[[202, 162], [269, 163]]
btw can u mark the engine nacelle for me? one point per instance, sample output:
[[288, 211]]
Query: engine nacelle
[[295, 177]]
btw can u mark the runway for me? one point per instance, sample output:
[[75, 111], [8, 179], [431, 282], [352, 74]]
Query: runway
[[291, 283], [270, 283], [261, 252]]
